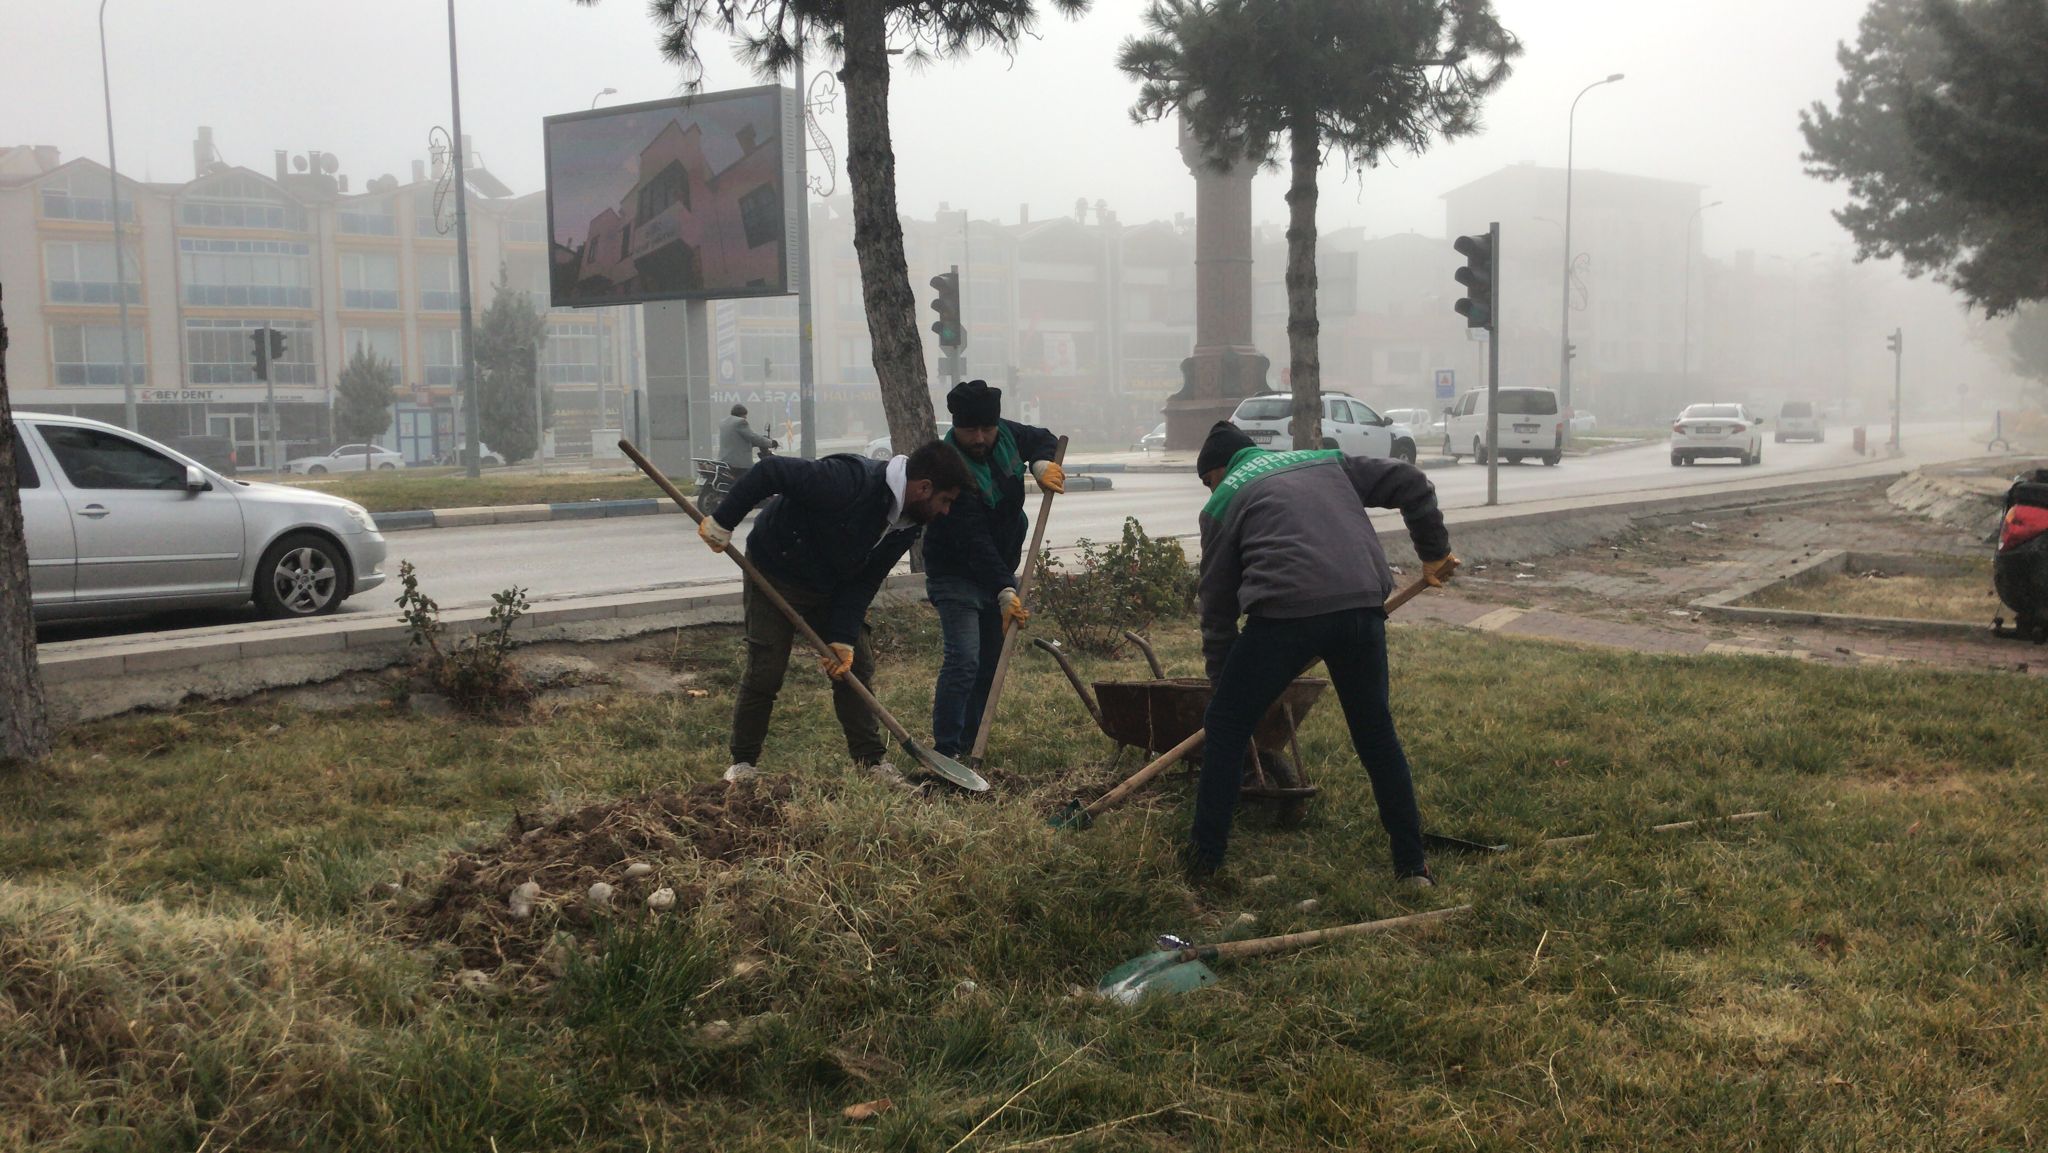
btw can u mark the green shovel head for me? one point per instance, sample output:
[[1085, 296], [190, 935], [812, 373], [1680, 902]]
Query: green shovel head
[[1072, 815], [947, 768], [1153, 973]]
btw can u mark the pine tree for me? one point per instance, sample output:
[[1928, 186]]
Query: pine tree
[[362, 399], [508, 340]]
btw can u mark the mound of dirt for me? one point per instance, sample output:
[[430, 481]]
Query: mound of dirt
[[469, 905]]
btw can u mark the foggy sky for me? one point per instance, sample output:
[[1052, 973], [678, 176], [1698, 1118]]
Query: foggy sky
[[1712, 96]]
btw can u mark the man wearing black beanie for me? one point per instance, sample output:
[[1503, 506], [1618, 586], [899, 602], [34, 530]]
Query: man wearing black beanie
[[1287, 544], [971, 557]]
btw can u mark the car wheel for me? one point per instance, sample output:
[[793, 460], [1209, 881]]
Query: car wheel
[[1404, 451], [1478, 451], [316, 470], [1328, 444], [387, 466], [302, 575], [1778, 438], [1820, 438], [1551, 459], [1676, 460], [1757, 457]]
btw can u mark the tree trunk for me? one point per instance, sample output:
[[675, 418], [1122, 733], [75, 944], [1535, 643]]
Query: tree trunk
[[1305, 370], [878, 231], [24, 726]]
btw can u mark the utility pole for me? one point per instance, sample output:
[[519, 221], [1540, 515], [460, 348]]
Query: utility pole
[[120, 233], [472, 415], [1897, 341], [806, 366]]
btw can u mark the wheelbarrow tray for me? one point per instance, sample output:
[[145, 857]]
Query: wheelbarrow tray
[[1157, 715]]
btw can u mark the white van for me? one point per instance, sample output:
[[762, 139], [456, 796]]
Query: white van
[[1529, 423], [1348, 424]]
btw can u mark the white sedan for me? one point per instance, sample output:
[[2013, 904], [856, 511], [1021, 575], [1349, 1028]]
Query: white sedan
[[880, 448], [347, 458], [1717, 430]]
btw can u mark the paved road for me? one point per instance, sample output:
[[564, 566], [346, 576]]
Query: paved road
[[464, 566]]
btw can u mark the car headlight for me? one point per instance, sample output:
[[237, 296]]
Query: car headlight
[[362, 517]]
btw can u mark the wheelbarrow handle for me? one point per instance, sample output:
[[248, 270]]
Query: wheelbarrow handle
[[1011, 631]]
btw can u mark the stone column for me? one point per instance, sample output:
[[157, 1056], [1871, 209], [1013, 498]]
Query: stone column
[[1225, 367]]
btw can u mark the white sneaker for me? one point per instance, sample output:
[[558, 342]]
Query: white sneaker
[[744, 771]]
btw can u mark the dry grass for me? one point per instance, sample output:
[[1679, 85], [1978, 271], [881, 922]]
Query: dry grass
[[197, 948], [1963, 596]]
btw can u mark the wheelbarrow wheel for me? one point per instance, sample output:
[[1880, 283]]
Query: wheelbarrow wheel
[[1282, 773]]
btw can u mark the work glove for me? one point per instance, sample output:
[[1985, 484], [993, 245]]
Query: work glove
[[1439, 572], [716, 535], [1014, 612], [1051, 477], [839, 663]]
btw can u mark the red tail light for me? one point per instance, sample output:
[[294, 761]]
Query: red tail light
[[1677, 427], [2022, 523]]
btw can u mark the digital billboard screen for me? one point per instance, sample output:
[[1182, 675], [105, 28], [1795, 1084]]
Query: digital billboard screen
[[673, 200]]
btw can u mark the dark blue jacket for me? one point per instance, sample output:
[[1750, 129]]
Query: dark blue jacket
[[826, 530], [981, 543]]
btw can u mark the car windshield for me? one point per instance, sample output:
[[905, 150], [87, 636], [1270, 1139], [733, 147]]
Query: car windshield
[[1265, 408], [1528, 402], [1715, 411], [1796, 408]]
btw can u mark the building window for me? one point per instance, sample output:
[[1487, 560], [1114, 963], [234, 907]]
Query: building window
[[369, 280], [526, 232], [73, 199], [437, 282], [669, 186], [89, 354], [245, 273], [82, 272], [238, 200], [384, 343], [220, 352], [574, 353], [761, 215], [379, 219], [441, 349]]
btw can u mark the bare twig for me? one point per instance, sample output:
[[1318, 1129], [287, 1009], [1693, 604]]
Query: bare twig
[[1014, 1096], [1096, 1128]]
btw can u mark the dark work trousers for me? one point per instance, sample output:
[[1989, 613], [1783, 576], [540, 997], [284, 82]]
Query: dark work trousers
[[972, 628], [769, 637], [1268, 655]]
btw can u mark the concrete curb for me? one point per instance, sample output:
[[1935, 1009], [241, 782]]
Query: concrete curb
[[1726, 604]]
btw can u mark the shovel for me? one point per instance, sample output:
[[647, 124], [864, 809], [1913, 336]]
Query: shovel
[[1177, 967], [945, 767], [1078, 816], [1012, 632]]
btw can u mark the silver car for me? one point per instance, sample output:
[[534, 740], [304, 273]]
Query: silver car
[[119, 524]]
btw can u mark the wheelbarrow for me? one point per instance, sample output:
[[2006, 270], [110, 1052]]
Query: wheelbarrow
[[1156, 715]]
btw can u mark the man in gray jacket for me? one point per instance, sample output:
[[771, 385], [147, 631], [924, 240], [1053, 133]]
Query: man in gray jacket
[[737, 441], [1287, 543]]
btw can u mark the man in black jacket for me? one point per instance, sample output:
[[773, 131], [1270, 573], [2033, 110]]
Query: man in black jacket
[[827, 541], [971, 557], [1287, 544]]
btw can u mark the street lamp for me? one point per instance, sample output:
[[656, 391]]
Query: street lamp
[[120, 260], [602, 95], [472, 412], [1685, 358], [1564, 346]]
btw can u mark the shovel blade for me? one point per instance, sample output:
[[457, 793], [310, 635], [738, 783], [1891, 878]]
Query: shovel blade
[[1072, 815], [1154, 974], [946, 768]]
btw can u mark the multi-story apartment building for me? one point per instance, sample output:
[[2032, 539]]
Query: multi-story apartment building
[[232, 250]]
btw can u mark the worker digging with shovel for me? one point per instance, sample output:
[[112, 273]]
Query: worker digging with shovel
[[826, 543], [971, 557], [1287, 544]]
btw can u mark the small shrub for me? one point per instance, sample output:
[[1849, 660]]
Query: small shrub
[[1131, 584], [476, 674]]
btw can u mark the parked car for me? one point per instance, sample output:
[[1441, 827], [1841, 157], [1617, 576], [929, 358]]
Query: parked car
[[878, 448], [2019, 570], [1528, 424], [347, 458], [1706, 431], [1154, 441], [1349, 424], [1800, 420], [1583, 422], [215, 452], [458, 453], [1422, 424], [118, 524]]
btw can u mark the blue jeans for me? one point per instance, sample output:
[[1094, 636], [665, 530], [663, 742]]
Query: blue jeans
[[1268, 655], [972, 626]]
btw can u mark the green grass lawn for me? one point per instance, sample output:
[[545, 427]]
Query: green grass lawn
[[196, 949], [403, 489]]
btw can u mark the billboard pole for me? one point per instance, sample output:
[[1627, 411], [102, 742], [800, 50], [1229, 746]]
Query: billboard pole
[[806, 385], [472, 418]]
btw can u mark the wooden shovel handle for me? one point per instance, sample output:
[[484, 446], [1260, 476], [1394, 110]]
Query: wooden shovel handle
[[1010, 631], [767, 590], [1264, 945]]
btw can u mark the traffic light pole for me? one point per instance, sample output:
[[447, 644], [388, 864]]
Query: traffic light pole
[[1898, 385], [806, 368], [1493, 372], [472, 414]]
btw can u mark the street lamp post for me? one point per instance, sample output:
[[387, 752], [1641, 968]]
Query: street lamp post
[[120, 258], [472, 416], [1564, 346], [602, 95], [1685, 357]]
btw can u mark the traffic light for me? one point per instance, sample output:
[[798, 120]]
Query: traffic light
[[952, 334], [259, 347], [276, 345], [1571, 351], [1892, 342], [1477, 305]]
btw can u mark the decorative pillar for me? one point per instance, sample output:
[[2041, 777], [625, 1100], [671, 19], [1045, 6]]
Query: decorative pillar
[[1225, 367]]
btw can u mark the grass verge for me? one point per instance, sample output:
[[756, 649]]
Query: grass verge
[[197, 948], [404, 489], [1965, 595]]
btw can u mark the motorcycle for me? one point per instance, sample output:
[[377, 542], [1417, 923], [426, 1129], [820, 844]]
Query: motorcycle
[[2019, 570], [715, 478]]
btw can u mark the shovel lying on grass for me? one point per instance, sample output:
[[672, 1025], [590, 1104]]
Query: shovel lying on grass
[[942, 766], [1177, 967]]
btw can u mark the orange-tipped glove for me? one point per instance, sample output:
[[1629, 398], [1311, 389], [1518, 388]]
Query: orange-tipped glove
[[1051, 477], [1439, 572], [715, 535], [839, 663], [1014, 612]]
